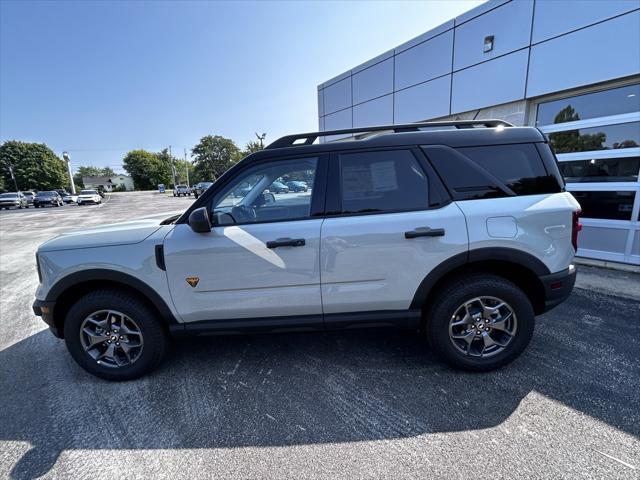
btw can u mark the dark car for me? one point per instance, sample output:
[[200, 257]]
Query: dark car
[[199, 188], [50, 197], [13, 200], [297, 186], [278, 187]]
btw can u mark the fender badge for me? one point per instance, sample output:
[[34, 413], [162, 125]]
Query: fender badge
[[193, 281]]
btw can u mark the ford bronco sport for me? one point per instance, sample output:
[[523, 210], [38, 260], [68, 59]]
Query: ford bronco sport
[[462, 231]]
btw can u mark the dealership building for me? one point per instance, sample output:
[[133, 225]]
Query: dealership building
[[571, 68]]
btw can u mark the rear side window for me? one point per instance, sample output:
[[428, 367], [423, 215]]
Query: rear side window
[[383, 181], [493, 171]]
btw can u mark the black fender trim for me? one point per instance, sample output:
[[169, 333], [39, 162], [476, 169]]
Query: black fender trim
[[487, 254], [65, 283]]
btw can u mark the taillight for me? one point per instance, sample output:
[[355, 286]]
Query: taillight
[[576, 226]]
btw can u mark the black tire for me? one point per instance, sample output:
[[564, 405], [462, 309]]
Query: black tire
[[454, 294], [155, 338]]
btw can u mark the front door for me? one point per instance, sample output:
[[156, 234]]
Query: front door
[[261, 259]]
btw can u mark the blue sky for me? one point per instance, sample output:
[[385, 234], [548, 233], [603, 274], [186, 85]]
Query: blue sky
[[101, 78]]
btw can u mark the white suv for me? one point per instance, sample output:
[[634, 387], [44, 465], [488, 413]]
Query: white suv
[[462, 231]]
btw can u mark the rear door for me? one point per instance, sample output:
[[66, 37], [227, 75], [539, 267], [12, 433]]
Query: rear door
[[261, 261], [391, 224]]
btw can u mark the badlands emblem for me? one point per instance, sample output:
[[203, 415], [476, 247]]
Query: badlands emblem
[[193, 281]]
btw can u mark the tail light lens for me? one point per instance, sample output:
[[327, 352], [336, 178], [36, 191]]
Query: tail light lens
[[576, 226]]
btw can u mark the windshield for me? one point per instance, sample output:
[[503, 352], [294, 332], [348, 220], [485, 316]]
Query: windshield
[[88, 192], [9, 195], [46, 194]]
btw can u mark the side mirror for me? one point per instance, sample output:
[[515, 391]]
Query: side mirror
[[199, 220]]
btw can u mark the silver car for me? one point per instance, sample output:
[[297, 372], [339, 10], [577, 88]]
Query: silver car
[[13, 200]]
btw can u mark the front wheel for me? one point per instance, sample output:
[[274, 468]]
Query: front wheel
[[480, 322], [114, 335]]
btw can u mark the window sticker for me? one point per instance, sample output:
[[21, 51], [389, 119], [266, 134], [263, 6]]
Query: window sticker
[[356, 182], [383, 176]]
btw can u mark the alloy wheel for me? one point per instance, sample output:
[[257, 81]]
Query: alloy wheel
[[111, 338], [483, 326]]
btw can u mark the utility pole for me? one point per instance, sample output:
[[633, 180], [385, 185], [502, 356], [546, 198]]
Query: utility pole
[[173, 167], [261, 138], [13, 177], [186, 166]]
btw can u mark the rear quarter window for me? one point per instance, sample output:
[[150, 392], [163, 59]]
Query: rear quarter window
[[493, 171]]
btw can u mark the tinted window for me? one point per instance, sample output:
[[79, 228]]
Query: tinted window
[[601, 170], [624, 135], [519, 167], [382, 182], [607, 205], [590, 105], [253, 196]]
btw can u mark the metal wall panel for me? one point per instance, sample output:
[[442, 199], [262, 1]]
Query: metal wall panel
[[373, 82], [424, 61], [338, 120], [320, 102], [604, 239], [337, 96], [374, 112], [424, 101], [602, 52], [561, 16], [510, 24], [491, 83]]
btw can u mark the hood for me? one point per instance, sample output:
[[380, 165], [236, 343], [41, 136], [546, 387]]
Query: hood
[[125, 233]]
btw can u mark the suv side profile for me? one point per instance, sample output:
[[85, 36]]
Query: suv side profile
[[462, 231]]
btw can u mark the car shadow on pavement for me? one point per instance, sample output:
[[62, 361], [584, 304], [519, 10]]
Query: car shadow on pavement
[[297, 389]]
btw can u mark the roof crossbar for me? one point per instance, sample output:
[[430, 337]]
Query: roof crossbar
[[309, 138]]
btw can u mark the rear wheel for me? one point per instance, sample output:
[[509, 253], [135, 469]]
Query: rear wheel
[[114, 335], [480, 322]]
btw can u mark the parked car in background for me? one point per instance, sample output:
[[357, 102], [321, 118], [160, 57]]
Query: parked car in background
[[278, 187], [87, 197], [183, 190], [13, 200], [48, 197], [29, 195], [297, 186], [200, 187], [70, 198]]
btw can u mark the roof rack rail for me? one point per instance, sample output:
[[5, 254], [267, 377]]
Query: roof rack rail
[[309, 138]]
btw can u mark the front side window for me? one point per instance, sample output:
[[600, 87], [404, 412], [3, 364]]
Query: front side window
[[260, 193], [384, 181]]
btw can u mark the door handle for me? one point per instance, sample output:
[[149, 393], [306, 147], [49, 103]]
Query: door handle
[[286, 242], [425, 232]]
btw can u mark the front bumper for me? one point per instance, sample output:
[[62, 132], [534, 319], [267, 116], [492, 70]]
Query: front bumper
[[44, 310], [558, 286]]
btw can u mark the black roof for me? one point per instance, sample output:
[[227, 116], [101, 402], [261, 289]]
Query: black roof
[[453, 134]]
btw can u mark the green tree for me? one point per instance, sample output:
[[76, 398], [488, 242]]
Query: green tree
[[145, 169], [214, 155], [163, 172], [251, 147], [34, 166]]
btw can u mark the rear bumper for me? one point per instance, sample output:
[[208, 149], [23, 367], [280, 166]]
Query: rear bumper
[[44, 310], [558, 286]]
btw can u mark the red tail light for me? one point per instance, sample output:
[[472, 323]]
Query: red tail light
[[576, 226]]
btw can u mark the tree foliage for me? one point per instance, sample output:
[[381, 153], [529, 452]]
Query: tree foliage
[[214, 155], [251, 147], [147, 169], [34, 166]]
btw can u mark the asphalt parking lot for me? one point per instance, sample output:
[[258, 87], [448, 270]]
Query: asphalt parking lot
[[365, 404]]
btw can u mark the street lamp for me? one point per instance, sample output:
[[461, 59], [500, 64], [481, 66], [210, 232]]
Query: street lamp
[[67, 159]]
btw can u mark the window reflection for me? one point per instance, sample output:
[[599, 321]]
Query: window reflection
[[607, 205], [601, 170], [590, 105], [624, 135]]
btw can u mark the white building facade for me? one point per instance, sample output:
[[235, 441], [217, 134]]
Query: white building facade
[[571, 68]]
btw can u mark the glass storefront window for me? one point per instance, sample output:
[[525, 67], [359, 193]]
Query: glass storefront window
[[590, 105], [607, 205], [601, 170], [606, 137]]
